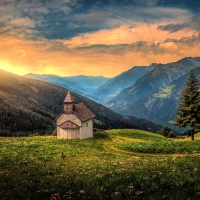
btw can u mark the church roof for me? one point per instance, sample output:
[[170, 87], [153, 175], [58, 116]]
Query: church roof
[[69, 125], [80, 110], [83, 112], [69, 98]]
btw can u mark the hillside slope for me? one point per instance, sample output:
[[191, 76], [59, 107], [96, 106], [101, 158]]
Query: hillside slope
[[28, 106], [152, 81], [159, 107], [123, 80]]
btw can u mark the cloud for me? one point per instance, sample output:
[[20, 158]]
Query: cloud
[[70, 37], [61, 19], [127, 35], [65, 9], [22, 22], [146, 2], [41, 10], [73, 25], [197, 18], [173, 27], [115, 16], [117, 51], [194, 24]]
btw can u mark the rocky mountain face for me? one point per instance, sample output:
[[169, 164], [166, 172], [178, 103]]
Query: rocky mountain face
[[152, 81], [160, 106], [30, 106], [118, 83]]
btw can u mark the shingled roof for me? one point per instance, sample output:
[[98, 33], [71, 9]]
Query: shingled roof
[[83, 112], [69, 98], [80, 110], [69, 125]]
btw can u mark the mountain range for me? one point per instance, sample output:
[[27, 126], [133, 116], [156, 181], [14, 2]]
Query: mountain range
[[115, 85], [29, 106], [84, 85], [152, 81], [149, 92], [160, 106]]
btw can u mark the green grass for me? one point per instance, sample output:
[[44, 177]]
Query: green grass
[[161, 147], [154, 143], [164, 93], [33, 168]]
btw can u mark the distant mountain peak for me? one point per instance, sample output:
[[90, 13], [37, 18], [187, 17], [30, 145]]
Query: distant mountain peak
[[154, 80]]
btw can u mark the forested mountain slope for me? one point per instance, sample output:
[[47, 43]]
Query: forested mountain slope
[[29, 106], [154, 80], [160, 107], [123, 80]]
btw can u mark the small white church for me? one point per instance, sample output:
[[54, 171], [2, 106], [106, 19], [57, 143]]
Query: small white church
[[75, 121]]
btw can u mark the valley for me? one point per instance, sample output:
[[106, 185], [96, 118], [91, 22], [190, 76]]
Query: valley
[[150, 92], [29, 106]]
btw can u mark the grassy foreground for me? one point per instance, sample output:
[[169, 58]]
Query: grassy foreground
[[129, 164]]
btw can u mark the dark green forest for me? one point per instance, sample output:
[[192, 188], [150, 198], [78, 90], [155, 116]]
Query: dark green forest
[[29, 106]]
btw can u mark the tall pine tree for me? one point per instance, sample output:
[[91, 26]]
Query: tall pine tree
[[188, 111]]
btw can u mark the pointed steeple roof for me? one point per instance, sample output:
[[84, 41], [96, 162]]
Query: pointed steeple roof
[[69, 98]]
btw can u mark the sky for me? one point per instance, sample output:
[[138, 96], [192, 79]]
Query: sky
[[95, 37]]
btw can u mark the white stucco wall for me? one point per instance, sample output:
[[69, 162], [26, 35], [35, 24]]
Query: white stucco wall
[[86, 131], [62, 133], [65, 117], [68, 134]]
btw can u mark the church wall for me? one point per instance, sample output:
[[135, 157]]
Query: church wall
[[86, 131], [65, 117], [58, 132], [68, 134]]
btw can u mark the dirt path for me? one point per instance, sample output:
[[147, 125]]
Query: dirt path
[[109, 146]]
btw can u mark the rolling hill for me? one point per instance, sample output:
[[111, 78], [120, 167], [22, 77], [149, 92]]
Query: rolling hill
[[29, 106]]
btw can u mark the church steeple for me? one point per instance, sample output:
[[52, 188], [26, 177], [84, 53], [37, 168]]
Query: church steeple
[[68, 103], [69, 98]]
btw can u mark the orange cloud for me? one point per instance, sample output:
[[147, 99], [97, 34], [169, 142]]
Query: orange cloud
[[128, 35], [106, 52]]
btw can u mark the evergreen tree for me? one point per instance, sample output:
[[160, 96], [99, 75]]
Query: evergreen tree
[[188, 111], [166, 131]]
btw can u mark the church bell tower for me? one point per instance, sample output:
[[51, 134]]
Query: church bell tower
[[69, 103]]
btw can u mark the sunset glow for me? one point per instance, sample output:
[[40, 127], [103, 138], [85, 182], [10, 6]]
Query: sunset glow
[[72, 37]]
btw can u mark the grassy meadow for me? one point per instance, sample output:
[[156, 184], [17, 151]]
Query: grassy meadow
[[129, 164]]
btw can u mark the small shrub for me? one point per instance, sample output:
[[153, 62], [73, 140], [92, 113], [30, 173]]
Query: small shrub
[[166, 131], [99, 135], [54, 133]]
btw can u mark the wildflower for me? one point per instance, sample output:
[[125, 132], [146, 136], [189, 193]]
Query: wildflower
[[139, 193], [117, 193]]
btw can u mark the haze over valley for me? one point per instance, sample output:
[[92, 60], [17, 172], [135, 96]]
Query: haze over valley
[[149, 92]]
